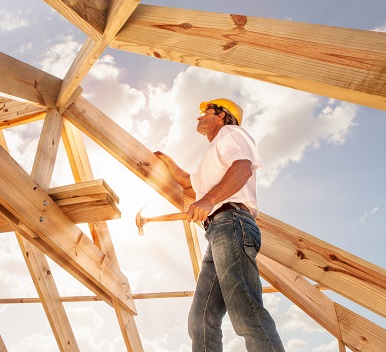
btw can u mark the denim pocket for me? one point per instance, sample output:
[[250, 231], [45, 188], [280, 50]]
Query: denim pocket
[[251, 238]]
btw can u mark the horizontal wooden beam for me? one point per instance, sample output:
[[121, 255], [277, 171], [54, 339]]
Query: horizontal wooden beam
[[341, 63], [28, 83], [44, 222], [13, 113], [83, 202], [148, 295]]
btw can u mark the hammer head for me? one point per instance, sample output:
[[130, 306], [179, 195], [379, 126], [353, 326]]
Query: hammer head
[[140, 221]]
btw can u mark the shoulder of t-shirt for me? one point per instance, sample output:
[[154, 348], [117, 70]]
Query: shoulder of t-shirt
[[230, 129]]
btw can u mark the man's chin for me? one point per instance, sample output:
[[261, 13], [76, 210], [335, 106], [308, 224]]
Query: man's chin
[[201, 130]]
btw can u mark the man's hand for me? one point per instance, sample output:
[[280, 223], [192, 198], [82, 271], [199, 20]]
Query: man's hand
[[199, 211]]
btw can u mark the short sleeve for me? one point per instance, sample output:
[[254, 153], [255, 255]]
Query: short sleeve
[[238, 145]]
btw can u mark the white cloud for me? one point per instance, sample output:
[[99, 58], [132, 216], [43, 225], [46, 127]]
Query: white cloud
[[295, 344], [297, 319], [59, 57], [11, 20], [330, 347], [364, 217], [35, 343], [381, 28]]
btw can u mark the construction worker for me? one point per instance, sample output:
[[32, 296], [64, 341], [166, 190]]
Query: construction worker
[[224, 187]]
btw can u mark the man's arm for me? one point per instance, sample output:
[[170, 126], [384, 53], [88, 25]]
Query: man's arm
[[234, 179], [180, 176]]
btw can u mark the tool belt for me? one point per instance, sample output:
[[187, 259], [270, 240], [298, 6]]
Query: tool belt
[[224, 207]]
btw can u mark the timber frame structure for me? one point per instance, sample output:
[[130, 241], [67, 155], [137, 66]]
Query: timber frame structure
[[345, 64]]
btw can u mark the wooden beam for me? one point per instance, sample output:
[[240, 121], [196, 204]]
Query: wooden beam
[[81, 167], [346, 274], [125, 148], [44, 222], [322, 309], [193, 242], [369, 337], [76, 153], [146, 295], [300, 291], [88, 15], [341, 63], [26, 82], [13, 113], [119, 12]]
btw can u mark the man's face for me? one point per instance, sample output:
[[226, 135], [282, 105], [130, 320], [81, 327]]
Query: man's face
[[208, 122]]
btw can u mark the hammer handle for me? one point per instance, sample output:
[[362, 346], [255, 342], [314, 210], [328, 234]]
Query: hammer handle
[[168, 217]]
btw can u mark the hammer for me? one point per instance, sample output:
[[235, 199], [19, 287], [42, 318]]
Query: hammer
[[140, 220]]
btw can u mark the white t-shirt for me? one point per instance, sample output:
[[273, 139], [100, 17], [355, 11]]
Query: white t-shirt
[[231, 143]]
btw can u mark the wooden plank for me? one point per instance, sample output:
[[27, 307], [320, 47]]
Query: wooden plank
[[125, 148], [346, 274], [88, 15], [13, 113], [300, 291], [82, 189], [89, 209], [192, 241], [47, 149], [76, 153], [83, 202], [369, 337], [119, 12], [26, 82], [342, 323], [58, 235], [341, 63]]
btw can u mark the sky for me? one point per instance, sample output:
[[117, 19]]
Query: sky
[[323, 173]]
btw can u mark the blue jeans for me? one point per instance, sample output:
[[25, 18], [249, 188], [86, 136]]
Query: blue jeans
[[229, 282]]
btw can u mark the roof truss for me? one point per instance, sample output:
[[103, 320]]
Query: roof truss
[[341, 63]]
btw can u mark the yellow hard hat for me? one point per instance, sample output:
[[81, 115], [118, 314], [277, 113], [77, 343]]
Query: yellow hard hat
[[228, 105]]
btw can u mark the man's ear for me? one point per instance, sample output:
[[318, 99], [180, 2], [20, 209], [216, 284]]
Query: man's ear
[[221, 116]]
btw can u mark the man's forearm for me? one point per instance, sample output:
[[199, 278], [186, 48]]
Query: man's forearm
[[180, 176], [233, 180]]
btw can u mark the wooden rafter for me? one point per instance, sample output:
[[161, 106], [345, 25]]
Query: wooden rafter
[[341, 63], [321, 308], [28, 83], [13, 113]]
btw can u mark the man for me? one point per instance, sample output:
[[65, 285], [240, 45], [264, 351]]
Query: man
[[224, 187]]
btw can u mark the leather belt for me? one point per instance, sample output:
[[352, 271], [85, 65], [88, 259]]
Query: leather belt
[[224, 207]]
